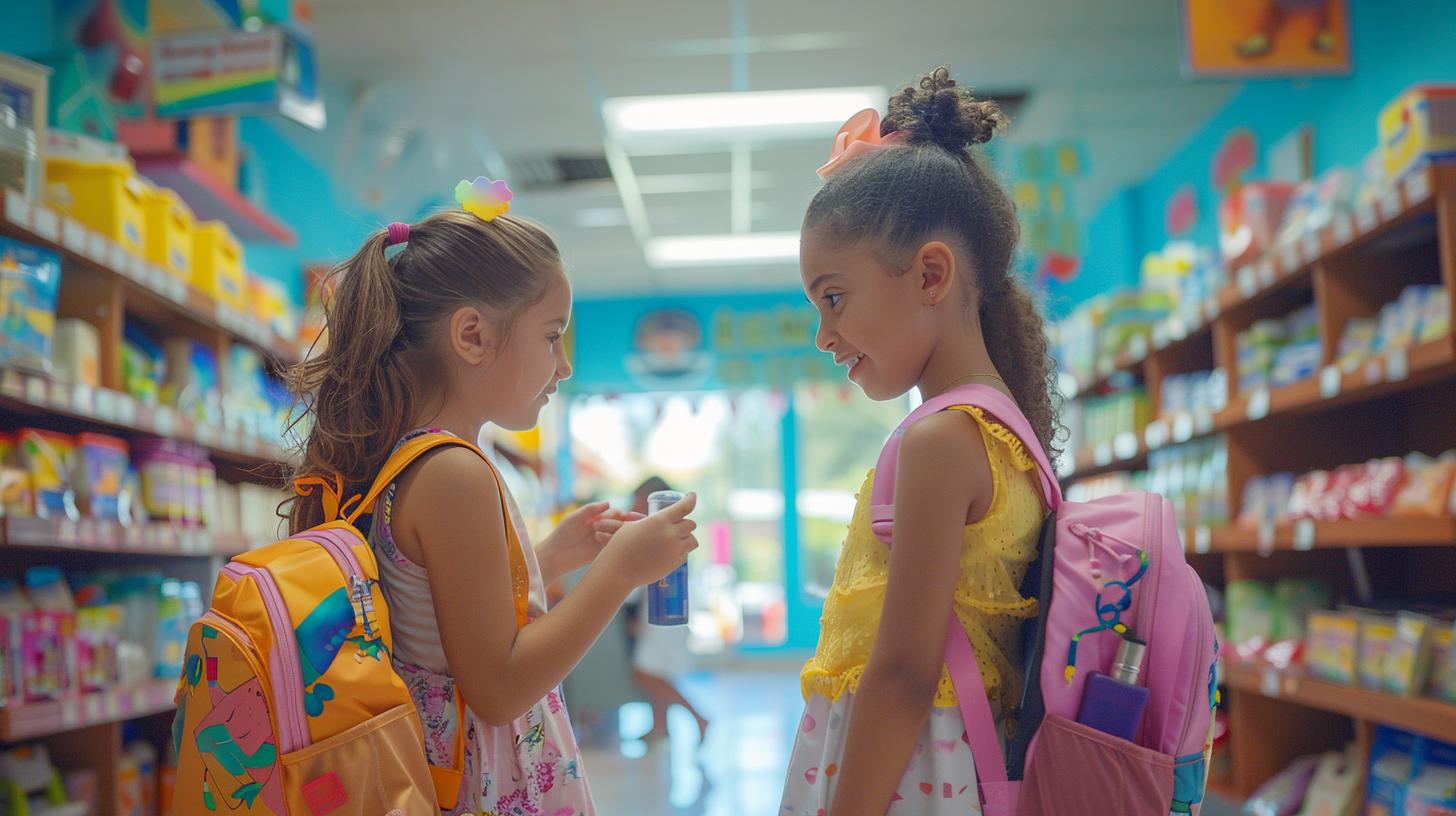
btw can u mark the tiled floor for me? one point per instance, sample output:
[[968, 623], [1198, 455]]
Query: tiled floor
[[738, 771]]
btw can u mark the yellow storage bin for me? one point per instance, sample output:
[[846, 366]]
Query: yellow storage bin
[[217, 265], [106, 196], [170, 227]]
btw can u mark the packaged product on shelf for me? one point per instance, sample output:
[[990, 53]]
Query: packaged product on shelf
[[1443, 663], [170, 224], [228, 518], [1416, 127], [76, 352], [128, 781], [1332, 646], [1377, 640], [1250, 611], [1392, 761], [1283, 794], [146, 759], [193, 385], [83, 787], [143, 368], [1294, 600], [1435, 314], [1427, 485], [28, 775], [106, 196], [98, 631], [19, 153], [172, 632], [30, 280], [1316, 202], [1408, 661], [245, 405], [162, 465], [271, 306], [48, 660], [47, 456], [1335, 788], [17, 498], [101, 463], [13, 608], [140, 594], [217, 263], [1373, 492], [1432, 792], [1357, 342], [1249, 219]]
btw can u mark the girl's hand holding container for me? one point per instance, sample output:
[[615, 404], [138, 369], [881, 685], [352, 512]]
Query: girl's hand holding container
[[645, 551]]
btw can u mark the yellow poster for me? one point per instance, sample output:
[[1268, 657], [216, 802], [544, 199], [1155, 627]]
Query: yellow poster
[[1266, 37]]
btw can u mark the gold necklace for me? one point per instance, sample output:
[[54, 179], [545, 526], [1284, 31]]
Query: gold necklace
[[954, 383]]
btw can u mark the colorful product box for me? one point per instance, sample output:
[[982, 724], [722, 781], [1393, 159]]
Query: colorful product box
[[1418, 125], [1332, 651], [47, 456], [30, 280]]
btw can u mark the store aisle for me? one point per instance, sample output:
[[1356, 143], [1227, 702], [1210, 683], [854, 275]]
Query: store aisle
[[738, 772]]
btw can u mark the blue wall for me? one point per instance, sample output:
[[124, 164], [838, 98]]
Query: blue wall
[[1393, 48]]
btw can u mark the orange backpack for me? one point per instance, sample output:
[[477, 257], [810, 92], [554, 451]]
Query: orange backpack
[[288, 704]]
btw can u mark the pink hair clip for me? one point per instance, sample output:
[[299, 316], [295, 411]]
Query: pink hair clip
[[858, 136], [398, 234]]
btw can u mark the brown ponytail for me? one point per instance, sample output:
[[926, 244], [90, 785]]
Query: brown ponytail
[[896, 200], [368, 386]]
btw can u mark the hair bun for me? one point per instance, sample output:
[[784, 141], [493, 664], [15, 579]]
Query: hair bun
[[935, 110]]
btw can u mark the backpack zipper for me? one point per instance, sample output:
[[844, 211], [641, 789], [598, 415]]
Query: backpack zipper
[[287, 667], [1200, 680]]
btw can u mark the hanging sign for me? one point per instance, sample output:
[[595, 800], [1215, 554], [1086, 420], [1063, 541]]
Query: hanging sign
[[1265, 37], [235, 72]]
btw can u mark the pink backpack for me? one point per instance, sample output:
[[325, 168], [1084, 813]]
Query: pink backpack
[[1104, 565]]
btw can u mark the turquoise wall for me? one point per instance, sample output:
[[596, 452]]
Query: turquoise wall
[[1393, 47]]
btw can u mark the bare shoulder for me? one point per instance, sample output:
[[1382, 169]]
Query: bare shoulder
[[943, 437], [454, 471], [944, 459]]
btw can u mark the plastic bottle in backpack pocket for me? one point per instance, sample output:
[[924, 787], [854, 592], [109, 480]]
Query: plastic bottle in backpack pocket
[[667, 600]]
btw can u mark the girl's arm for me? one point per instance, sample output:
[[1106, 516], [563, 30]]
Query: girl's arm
[[578, 539], [450, 506], [943, 479]]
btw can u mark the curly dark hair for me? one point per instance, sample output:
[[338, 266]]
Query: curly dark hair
[[897, 200]]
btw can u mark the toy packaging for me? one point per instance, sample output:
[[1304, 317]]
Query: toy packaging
[[143, 368], [1392, 759], [193, 385], [76, 352], [16, 496], [48, 636], [1427, 485], [1407, 662], [1442, 683], [1419, 125], [1335, 789], [1333, 645], [101, 464], [98, 631], [1377, 639], [47, 456], [30, 280], [1249, 219]]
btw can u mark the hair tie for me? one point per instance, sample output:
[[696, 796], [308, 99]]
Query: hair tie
[[398, 234]]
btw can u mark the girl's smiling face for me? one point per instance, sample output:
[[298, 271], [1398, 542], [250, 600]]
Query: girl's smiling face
[[870, 318]]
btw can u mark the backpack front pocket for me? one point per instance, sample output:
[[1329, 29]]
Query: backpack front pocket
[[1080, 771], [372, 769]]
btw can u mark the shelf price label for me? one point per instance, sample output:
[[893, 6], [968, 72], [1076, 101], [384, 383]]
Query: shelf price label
[[1267, 536], [1102, 454], [1330, 380], [1137, 347], [1125, 446], [1309, 245], [126, 410], [1365, 218], [17, 211], [1269, 684], [116, 256], [1177, 329], [73, 236], [70, 714], [1156, 434], [1397, 365], [1417, 187], [1390, 204], [46, 224], [1304, 534], [1258, 405], [60, 394], [1344, 230], [1202, 539], [12, 384], [1182, 428], [1289, 258], [96, 248], [1248, 282], [83, 400], [35, 391], [1160, 335], [165, 419], [1202, 422]]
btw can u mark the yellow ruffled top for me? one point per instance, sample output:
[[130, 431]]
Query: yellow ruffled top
[[998, 549]]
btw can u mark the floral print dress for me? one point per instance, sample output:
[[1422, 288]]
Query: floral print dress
[[531, 767]]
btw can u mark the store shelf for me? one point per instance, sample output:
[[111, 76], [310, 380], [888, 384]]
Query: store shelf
[[158, 538], [32, 394], [40, 225], [1308, 534], [212, 199], [1432, 718], [32, 720]]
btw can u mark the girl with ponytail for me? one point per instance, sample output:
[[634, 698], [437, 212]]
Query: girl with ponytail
[[461, 326], [906, 252]]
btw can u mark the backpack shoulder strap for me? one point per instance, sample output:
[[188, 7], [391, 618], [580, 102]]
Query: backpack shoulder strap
[[406, 456], [960, 659]]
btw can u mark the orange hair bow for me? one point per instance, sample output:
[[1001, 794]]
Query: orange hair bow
[[858, 136]]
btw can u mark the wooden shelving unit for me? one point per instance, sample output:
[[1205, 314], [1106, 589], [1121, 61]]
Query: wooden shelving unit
[[1393, 404], [106, 285]]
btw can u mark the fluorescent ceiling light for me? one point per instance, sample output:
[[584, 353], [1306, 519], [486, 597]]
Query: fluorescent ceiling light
[[732, 249], [762, 115]]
